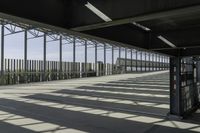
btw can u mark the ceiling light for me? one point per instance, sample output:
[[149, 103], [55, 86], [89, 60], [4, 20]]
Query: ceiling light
[[166, 41], [141, 26], [97, 12]]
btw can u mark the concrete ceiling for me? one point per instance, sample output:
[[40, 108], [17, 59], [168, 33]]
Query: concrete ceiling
[[177, 21]]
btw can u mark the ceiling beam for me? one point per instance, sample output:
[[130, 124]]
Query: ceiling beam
[[60, 30], [181, 47], [157, 15]]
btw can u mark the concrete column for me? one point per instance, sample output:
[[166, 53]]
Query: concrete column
[[175, 87]]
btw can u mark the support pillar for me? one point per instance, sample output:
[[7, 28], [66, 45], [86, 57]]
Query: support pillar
[[2, 50], [96, 64], [120, 59], [60, 60], [25, 57], [74, 57], [104, 61], [112, 59], [131, 60], [156, 62], [160, 62], [153, 62], [44, 57], [145, 61], [175, 87], [141, 65], [149, 61], [85, 59], [136, 54], [125, 65]]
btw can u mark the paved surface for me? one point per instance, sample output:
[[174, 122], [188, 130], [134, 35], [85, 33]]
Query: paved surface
[[112, 104]]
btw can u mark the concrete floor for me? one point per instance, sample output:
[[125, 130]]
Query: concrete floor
[[112, 104]]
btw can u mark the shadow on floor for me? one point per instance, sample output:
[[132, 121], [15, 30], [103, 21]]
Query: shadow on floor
[[111, 107]]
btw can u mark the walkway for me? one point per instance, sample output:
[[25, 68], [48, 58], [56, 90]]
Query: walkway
[[124, 103]]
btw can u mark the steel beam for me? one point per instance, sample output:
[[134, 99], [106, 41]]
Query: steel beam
[[96, 63], [44, 56], [146, 17], [156, 62], [159, 62], [112, 59], [153, 60], [74, 57], [136, 57], [104, 61], [149, 61], [125, 65], [162, 63], [85, 59], [120, 58], [65, 32], [141, 61], [131, 60], [145, 61], [25, 55], [60, 56]]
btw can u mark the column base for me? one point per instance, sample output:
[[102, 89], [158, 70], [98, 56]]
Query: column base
[[174, 117]]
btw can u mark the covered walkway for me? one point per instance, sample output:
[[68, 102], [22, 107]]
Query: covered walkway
[[136, 102]]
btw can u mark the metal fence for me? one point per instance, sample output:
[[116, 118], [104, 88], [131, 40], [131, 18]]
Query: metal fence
[[15, 72]]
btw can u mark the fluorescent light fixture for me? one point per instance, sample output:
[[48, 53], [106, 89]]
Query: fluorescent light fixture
[[141, 26], [97, 12], [166, 41]]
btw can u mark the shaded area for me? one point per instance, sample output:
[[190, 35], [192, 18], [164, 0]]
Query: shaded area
[[85, 105], [9, 128]]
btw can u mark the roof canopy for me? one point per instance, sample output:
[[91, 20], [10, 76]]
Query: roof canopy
[[166, 26]]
